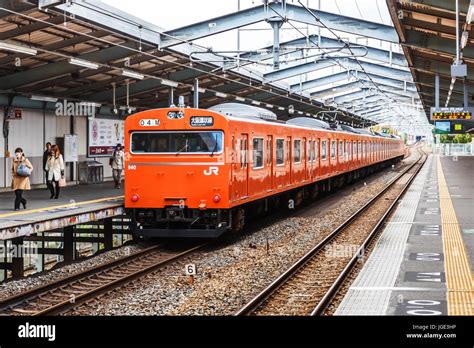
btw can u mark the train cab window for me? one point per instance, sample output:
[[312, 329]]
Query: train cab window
[[324, 150], [333, 149], [185, 142], [257, 153], [341, 149], [297, 151], [280, 152]]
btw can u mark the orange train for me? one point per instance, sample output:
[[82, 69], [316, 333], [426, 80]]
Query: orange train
[[199, 173]]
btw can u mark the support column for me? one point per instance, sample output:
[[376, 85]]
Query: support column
[[68, 247], [171, 97], [437, 91], [196, 93], [466, 94], [17, 258], [108, 234], [276, 25]]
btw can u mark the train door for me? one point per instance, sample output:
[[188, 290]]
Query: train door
[[234, 170], [333, 160], [241, 168], [317, 157], [309, 160], [289, 162], [304, 158], [269, 160]]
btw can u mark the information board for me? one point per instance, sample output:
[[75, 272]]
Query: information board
[[103, 136]]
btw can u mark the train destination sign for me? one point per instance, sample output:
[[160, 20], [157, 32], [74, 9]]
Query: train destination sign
[[202, 121]]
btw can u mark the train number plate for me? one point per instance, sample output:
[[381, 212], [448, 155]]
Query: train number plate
[[202, 121], [149, 123]]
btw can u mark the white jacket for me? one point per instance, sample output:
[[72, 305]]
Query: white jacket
[[54, 166], [117, 162]]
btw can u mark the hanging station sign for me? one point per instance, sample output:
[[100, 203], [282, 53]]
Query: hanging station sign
[[452, 114]]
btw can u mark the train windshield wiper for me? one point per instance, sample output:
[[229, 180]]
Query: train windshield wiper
[[183, 149], [215, 147]]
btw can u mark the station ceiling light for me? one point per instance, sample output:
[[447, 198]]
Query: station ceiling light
[[240, 99], [133, 74], [200, 90], [221, 95], [43, 98], [281, 108], [17, 48], [254, 102], [464, 39], [169, 83], [269, 106], [84, 63]]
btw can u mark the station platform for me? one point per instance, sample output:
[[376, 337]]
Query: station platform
[[76, 204], [422, 265]]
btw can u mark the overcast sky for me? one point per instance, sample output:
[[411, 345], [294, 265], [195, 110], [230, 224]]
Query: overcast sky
[[178, 13]]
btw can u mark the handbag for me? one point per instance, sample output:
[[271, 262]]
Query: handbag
[[23, 171], [62, 182]]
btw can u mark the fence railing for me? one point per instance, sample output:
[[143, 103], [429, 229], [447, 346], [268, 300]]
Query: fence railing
[[454, 149]]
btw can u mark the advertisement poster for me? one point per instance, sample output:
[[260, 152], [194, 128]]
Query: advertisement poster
[[103, 136], [70, 148]]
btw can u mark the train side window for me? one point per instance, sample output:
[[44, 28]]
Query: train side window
[[359, 151], [297, 151], [341, 149], [269, 152], [243, 151], [324, 150], [257, 153], [354, 150], [315, 153], [309, 151], [333, 148], [280, 152]]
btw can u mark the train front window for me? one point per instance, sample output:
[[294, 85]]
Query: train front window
[[177, 142]]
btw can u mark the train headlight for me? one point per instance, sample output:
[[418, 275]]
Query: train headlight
[[135, 197], [217, 198]]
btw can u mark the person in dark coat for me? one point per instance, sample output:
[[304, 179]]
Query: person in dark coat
[[46, 155]]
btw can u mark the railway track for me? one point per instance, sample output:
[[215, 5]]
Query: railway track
[[71, 292], [308, 287]]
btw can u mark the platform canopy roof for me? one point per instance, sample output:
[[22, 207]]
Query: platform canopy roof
[[427, 31], [339, 68]]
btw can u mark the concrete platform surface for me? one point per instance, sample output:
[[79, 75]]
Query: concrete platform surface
[[422, 263], [76, 204]]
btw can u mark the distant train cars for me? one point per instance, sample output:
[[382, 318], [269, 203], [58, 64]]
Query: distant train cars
[[199, 173]]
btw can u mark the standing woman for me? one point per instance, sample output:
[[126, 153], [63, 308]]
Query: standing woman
[[55, 169], [21, 170]]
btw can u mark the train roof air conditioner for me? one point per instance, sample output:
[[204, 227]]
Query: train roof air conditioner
[[308, 122], [244, 111]]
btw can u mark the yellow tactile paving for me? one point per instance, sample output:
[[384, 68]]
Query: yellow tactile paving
[[76, 204], [459, 279]]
